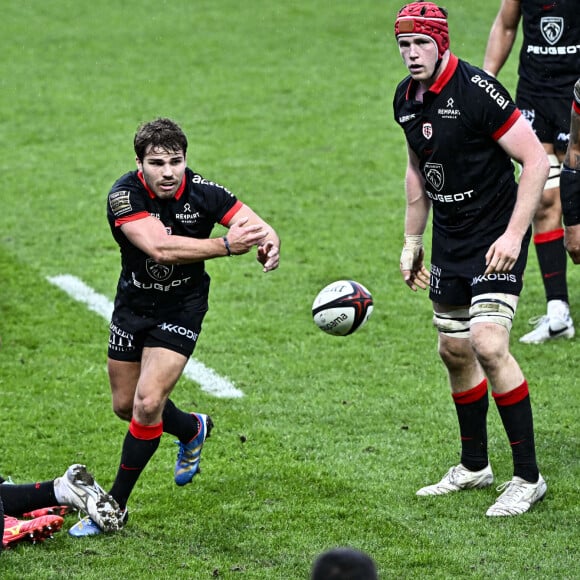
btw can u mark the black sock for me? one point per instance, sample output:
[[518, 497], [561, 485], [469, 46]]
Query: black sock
[[141, 442], [26, 497], [178, 423], [553, 260], [515, 410], [471, 407]]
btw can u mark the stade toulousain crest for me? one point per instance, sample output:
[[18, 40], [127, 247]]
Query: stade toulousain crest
[[552, 28]]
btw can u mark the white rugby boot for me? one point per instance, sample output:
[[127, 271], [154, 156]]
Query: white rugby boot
[[78, 488], [459, 478], [557, 323], [518, 497]]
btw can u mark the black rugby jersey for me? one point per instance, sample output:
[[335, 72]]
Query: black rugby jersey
[[193, 212], [454, 132], [550, 54]]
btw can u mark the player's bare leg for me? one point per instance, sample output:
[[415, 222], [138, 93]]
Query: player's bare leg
[[470, 395], [552, 259]]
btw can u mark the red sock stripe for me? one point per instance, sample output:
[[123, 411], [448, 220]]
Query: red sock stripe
[[472, 395], [512, 397], [145, 432], [549, 236]]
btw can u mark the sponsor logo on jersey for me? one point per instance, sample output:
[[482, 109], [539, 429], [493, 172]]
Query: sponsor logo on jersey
[[435, 175], [449, 112], [406, 118], [552, 28], [200, 180], [490, 88], [187, 218], [159, 272], [157, 285], [496, 277], [427, 130], [120, 203], [553, 50], [450, 197]]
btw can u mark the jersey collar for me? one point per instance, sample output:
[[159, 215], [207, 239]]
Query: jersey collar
[[177, 195], [441, 81]]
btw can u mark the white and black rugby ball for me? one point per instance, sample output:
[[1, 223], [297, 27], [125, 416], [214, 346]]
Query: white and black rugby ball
[[342, 307]]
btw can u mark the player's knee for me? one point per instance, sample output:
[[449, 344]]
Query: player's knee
[[122, 411], [487, 351], [455, 354], [148, 407], [453, 325]]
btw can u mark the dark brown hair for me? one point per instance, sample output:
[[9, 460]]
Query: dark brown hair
[[159, 134]]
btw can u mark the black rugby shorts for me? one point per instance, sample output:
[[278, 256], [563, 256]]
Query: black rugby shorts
[[458, 266], [550, 118], [176, 328]]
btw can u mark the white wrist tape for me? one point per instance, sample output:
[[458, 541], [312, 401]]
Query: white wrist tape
[[412, 250]]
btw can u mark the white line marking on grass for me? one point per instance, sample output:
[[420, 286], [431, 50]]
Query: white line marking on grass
[[207, 378]]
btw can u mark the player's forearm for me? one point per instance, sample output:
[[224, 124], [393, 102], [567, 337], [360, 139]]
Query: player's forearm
[[530, 188], [183, 250], [416, 219], [271, 236], [499, 46], [417, 213], [418, 204], [572, 159]]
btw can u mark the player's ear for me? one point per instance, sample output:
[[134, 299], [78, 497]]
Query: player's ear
[[139, 164]]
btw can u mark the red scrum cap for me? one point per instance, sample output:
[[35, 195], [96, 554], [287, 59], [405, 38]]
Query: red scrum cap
[[424, 18]]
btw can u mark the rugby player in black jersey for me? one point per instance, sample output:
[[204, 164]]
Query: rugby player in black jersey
[[462, 130], [549, 64], [162, 216], [570, 185]]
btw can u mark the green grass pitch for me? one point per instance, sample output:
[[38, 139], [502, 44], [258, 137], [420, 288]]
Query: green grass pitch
[[289, 105]]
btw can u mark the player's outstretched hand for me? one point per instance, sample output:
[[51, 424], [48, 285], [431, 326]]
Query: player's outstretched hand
[[268, 256], [243, 238]]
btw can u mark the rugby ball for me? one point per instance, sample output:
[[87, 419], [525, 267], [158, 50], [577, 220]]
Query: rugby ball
[[342, 307]]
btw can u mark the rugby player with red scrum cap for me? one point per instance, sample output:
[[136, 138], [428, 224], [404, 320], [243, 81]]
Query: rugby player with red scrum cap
[[462, 129]]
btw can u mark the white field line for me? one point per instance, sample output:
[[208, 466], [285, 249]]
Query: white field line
[[207, 378]]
